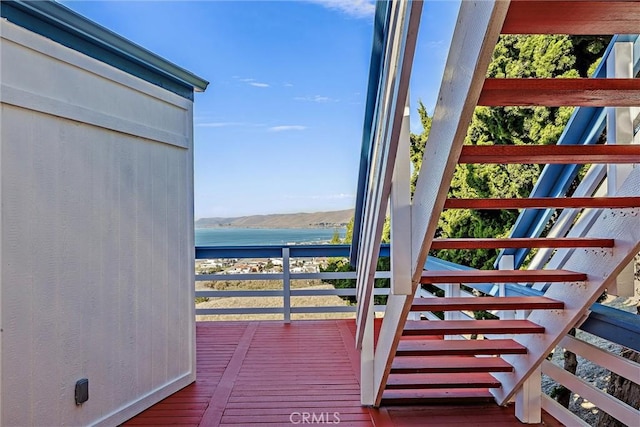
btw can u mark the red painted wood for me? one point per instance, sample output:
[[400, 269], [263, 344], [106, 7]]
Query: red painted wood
[[458, 347], [273, 393], [444, 364], [484, 303], [454, 327], [417, 397], [550, 154], [592, 92], [450, 380], [517, 242], [488, 414], [572, 17], [500, 276], [544, 203]]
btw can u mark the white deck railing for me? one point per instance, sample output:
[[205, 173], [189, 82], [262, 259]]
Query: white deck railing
[[603, 401], [285, 278]]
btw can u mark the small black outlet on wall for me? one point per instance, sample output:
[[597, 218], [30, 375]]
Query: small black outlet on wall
[[82, 391]]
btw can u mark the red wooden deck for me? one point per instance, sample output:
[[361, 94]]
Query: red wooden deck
[[307, 372]]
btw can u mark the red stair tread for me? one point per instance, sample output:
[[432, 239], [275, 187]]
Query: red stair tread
[[500, 276], [412, 397], [553, 92], [578, 17], [449, 380], [540, 242], [458, 347], [544, 203], [484, 303], [550, 154], [447, 364], [450, 327]]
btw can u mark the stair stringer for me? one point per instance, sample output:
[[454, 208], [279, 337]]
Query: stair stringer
[[601, 266]]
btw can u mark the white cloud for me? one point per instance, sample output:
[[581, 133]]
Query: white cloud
[[353, 8], [247, 80], [317, 98], [257, 84], [227, 124], [286, 128], [288, 85]]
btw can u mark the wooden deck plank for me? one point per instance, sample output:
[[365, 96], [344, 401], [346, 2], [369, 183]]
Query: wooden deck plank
[[583, 92], [577, 17], [273, 397], [500, 276], [550, 154], [544, 203]]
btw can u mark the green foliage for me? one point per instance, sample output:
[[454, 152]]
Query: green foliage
[[534, 56], [335, 239], [342, 265]]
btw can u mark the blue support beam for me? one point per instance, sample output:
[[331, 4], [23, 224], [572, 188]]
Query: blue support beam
[[380, 26]]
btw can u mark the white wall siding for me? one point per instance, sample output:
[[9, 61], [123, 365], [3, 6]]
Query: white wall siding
[[96, 233]]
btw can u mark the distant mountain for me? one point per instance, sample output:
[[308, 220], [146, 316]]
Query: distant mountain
[[297, 220]]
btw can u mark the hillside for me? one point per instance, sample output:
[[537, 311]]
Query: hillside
[[297, 220]]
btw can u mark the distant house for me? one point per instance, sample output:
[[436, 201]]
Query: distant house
[[97, 225]]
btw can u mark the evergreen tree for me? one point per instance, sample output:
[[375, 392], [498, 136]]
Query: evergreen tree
[[515, 56]]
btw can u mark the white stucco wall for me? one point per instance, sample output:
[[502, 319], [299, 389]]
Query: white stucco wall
[[96, 237]]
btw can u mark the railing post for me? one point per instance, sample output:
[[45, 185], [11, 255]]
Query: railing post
[[367, 362], [286, 285], [400, 199], [529, 399]]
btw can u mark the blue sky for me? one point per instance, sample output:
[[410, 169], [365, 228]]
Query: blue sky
[[279, 129]]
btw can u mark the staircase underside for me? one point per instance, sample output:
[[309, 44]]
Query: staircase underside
[[458, 358]]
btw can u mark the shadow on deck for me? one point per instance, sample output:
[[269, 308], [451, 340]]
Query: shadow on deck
[[306, 372]]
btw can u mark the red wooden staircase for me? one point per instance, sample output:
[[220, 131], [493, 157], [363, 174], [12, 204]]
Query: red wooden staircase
[[432, 369], [427, 361]]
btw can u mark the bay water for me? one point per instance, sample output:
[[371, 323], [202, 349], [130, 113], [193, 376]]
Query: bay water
[[229, 236]]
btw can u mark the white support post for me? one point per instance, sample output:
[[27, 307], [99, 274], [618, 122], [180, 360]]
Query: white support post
[[400, 199], [507, 262], [452, 290], [529, 399], [620, 131], [286, 285], [367, 352]]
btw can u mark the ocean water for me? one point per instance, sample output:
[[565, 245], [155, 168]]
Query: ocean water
[[227, 236]]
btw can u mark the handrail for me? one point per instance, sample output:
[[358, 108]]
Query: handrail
[[387, 124]]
